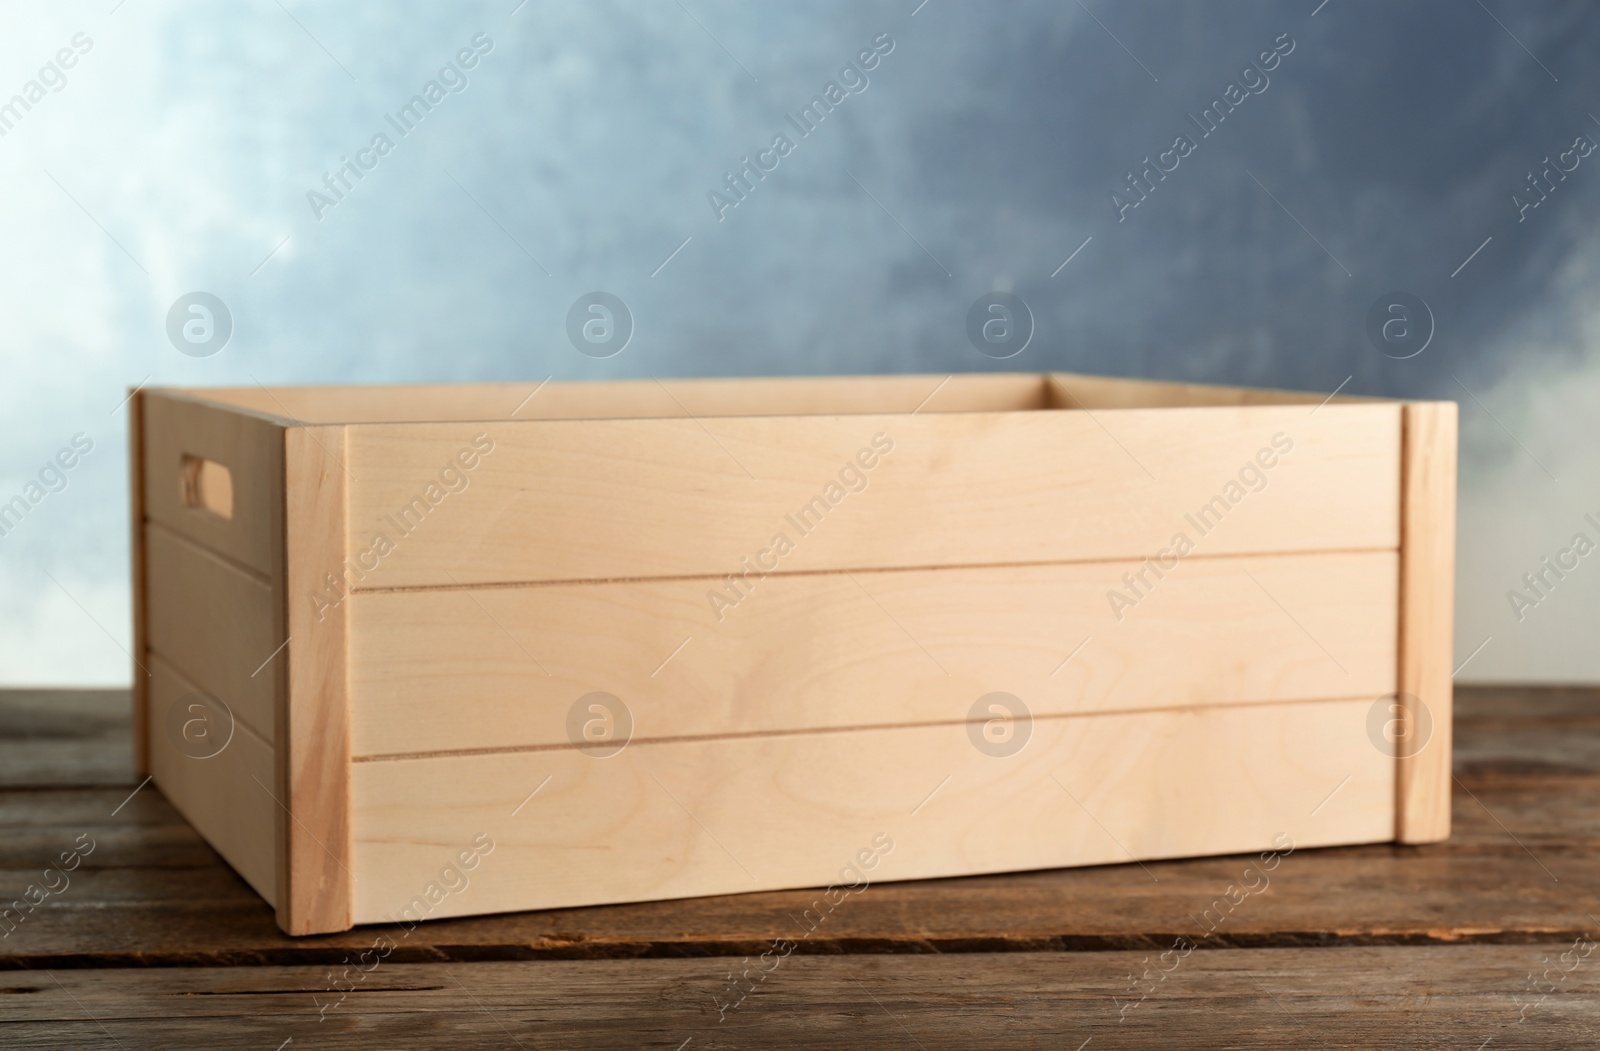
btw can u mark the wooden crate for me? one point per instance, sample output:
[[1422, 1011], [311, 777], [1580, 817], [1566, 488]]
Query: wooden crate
[[478, 648]]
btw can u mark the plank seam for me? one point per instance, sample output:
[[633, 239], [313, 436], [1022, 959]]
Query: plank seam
[[206, 550], [696, 738], [157, 657], [501, 585]]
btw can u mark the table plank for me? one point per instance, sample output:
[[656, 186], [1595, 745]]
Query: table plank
[[65, 737], [1347, 997], [1517, 870]]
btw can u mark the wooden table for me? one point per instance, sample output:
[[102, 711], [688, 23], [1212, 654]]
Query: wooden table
[[154, 942]]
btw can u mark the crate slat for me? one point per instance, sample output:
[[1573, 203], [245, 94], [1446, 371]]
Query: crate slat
[[215, 624], [500, 667], [225, 796], [598, 500], [682, 819]]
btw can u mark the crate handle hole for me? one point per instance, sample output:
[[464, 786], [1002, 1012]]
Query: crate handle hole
[[207, 486]]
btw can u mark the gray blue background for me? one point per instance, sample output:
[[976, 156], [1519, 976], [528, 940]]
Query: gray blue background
[[1386, 149]]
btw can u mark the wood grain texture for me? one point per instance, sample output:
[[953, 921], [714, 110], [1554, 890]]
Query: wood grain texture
[[598, 500], [154, 894], [216, 623], [313, 776], [140, 693], [225, 795], [176, 425], [501, 667], [77, 738], [690, 818], [1341, 998], [1427, 609]]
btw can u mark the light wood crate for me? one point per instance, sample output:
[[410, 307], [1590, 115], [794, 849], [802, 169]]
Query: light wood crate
[[412, 733]]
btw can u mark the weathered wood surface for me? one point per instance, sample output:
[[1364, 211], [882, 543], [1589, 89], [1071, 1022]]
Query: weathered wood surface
[[1458, 997], [1360, 947]]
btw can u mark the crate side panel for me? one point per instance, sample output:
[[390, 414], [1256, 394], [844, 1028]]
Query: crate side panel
[[595, 500], [503, 667], [226, 795], [249, 447], [215, 624], [462, 835]]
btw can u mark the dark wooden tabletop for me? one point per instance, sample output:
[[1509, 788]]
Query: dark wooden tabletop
[[1481, 942]]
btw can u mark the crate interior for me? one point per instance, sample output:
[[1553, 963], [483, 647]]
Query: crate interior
[[788, 396]]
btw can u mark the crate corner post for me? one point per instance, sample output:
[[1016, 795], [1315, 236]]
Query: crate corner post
[[140, 691], [1427, 598], [314, 832]]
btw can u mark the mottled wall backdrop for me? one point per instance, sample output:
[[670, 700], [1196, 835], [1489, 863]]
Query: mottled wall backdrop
[[1191, 191]]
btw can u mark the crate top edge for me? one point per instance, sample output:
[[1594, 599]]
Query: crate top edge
[[641, 399]]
